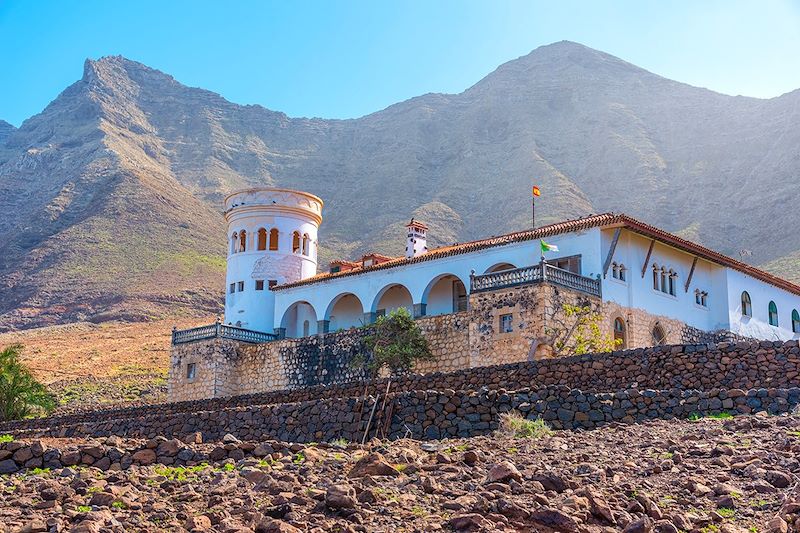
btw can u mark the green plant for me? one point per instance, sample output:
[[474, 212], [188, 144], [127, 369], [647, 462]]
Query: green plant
[[340, 442], [710, 528], [579, 329], [298, 458], [726, 512], [694, 417], [516, 425], [396, 343], [39, 471], [6, 438], [21, 395], [724, 415], [84, 508], [228, 467], [119, 505]]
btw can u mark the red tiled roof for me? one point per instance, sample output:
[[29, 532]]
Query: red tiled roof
[[593, 221]]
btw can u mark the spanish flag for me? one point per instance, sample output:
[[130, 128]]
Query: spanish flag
[[536, 191]]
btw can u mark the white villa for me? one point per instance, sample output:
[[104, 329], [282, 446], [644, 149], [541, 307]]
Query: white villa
[[273, 284]]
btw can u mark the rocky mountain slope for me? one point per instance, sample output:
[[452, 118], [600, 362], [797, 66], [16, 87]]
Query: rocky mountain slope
[[112, 194]]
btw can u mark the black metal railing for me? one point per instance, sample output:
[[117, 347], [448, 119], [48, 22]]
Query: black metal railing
[[223, 331], [535, 274]]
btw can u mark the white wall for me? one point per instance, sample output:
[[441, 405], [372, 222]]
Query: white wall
[[417, 277], [760, 295], [255, 309], [638, 291]]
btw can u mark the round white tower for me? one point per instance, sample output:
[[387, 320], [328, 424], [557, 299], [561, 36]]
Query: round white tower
[[272, 239]]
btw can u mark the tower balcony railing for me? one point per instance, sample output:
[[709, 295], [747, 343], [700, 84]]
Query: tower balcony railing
[[540, 273], [221, 331]]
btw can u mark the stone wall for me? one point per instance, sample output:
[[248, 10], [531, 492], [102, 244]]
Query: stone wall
[[438, 414], [742, 365], [228, 368]]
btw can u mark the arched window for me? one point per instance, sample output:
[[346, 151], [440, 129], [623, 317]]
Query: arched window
[[296, 242], [306, 244], [262, 239], [614, 270], [273, 239], [622, 270], [659, 335], [663, 279], [619, 332], [243, 241], [795, 321], [672, 281], [656, 278], [747, 305], [773, 314], [234, 242]]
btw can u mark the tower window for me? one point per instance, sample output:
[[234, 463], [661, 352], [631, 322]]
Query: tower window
[[296, 242], [306, 244], [259, 284], [191, 371], [262, 239], [243, 241], [273, 239]]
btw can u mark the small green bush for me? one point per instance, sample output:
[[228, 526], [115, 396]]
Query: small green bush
[[21, 395], [6, 438], [396, 342], [515, 425]]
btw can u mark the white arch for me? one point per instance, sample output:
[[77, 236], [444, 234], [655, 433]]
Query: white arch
[[343, 312], [499, 267], [295, 316], [396, 299], [439, 298]]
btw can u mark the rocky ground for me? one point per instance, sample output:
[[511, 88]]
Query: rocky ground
[[704, 476]]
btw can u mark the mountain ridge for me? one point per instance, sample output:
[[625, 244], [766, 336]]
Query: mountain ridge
[[115, 188]]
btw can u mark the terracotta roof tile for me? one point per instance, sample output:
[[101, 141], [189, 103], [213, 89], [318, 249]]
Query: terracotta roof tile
[[593, 221]]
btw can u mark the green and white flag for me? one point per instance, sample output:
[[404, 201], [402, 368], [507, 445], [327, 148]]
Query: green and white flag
[[548, 247]]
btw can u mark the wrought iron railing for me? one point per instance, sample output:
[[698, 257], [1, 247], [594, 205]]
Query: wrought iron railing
[[535, 274], [222, 331]]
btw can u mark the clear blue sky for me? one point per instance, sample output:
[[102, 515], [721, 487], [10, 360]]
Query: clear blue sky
[[338, 59]]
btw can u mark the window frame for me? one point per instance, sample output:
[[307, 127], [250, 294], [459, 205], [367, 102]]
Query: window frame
[[191, 371], [747, 307], [772, 314], [259, 284], [240, 286], [509, 318], [795, 321]]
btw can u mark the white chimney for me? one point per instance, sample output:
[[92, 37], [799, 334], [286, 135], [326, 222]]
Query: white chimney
[[416, 239]]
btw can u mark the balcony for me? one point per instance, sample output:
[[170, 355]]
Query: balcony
[[535, 274], [222, 331]]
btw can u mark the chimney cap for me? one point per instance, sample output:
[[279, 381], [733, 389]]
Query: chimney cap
[[416, 224]]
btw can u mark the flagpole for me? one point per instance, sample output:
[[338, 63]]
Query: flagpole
[[533, 212]]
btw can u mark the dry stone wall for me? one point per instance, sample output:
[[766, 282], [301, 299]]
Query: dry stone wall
[[438, 414], [739, 365]]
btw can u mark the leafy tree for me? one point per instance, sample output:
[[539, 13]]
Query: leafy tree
[[21, 395], [578, 329], [396, 343]]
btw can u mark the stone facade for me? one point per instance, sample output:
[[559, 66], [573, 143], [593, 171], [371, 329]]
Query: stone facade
[[469, 339]]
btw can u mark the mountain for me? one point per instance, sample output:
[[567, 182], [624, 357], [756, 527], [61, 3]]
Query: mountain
[[113, 192], [5, 130]]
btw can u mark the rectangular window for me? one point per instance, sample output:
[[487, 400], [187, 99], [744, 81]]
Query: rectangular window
[[191, 371], [259, 284], [240, 287], [272, 283], [506, 323], [233, 288]]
